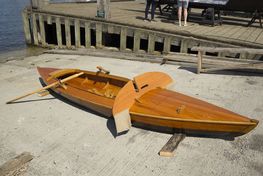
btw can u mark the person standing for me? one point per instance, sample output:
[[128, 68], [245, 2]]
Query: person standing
[[182, 4], [148, 4]]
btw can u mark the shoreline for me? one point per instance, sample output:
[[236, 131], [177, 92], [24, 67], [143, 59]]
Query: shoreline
[[21, 53]]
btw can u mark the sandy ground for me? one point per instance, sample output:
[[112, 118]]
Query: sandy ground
[[67, 140]]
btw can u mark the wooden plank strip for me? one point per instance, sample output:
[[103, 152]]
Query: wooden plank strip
[[15, 164], [254, 35], [260, 38], [169, 148]]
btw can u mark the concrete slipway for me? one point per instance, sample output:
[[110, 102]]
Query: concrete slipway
[[67, 140]]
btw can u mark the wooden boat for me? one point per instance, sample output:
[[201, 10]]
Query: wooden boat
[[145, 99]]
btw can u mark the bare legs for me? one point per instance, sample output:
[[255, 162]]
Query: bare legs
[[185, 17], [180, 16]]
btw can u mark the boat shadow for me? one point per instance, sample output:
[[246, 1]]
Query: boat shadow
[[188, 133]]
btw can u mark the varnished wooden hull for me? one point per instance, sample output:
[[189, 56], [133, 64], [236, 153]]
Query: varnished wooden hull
[[171, 109], [158, 106]]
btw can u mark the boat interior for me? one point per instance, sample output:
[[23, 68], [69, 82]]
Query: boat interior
[[97, 83]]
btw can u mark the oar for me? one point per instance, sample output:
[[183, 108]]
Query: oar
[[47, 87]]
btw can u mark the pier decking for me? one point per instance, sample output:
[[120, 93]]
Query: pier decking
[[70, 25], [132, 13]]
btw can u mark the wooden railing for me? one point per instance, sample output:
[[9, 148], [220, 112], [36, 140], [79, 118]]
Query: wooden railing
[[228, 63]]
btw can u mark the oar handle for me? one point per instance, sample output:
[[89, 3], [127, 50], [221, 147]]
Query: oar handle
[[47, 87], [101, 69]]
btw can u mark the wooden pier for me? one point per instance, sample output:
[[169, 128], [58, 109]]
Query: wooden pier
[[74, 25]]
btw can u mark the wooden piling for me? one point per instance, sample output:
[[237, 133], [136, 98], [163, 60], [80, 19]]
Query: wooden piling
[[77, 32], [87, 35], [67, 31], [123, 39], [49, 20], [136, 41], [184, 47], [58, 28], [42, 30], [34, 23], [167, 45], [151, 43], [98, 35], [26, 27]]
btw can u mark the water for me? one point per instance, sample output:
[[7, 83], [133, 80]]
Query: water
[[11, 26]]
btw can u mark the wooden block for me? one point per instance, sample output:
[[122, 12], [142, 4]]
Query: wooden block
[[171, 145], [15, 164]]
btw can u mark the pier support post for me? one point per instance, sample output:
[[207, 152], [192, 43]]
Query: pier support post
[[167, 45], [35, 35], [77, 33], [98, 35], [151, 43], [67, 31], [58, 28], [199, 61], [42, 30], [136, 41], [123, 39], [87, 35], [184, 47], [26, 27]]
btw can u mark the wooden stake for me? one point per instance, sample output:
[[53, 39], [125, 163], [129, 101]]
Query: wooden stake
[[171, 145], [47, 87]]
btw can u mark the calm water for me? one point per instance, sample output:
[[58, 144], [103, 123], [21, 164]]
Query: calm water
[[11, 27]]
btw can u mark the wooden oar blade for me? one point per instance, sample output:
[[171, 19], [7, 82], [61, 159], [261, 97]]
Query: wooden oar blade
[[47, 87]]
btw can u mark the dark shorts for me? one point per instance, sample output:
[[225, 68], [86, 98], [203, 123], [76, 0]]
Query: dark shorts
[[183, 4]]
